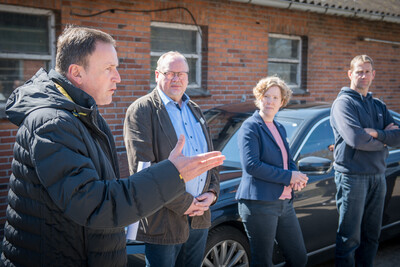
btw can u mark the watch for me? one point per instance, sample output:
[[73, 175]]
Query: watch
[[215, 196]]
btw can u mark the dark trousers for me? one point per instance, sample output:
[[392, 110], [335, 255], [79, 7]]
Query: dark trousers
[[190, 253], [266, 220], [360, 201]]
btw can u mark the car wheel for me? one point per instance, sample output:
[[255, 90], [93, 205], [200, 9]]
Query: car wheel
[[226, 246]]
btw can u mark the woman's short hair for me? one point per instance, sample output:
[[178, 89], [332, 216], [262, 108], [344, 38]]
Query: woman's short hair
[[264, 84]]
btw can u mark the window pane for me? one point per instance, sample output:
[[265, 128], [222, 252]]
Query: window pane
[[14, 73], [169, 39], [320, 143], [286, 71], [283, 48], [397, 121], [192, 70], [291, 126], [230, 151], [9, 72], [23, 33], [153, 66]]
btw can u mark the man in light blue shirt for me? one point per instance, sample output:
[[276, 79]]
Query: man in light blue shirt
[[185, 123], [176, 235]]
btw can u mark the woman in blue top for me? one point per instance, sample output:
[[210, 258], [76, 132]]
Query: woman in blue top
[[265, 192]]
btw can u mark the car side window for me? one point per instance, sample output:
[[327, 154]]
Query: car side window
[[319, 142], [231, 152], [397, 121]]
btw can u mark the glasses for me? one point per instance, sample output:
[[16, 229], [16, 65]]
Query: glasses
[[171, 74]]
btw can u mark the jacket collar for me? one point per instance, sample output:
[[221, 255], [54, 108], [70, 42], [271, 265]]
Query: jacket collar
[[163, 119], [168, 127], [84, 103], [166, 99], [265, 128]]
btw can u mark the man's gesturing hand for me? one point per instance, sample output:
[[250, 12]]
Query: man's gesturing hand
[[191, 167]]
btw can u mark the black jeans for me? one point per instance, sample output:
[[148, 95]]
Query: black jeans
[[266, 220], [187, 254], [360, 201]]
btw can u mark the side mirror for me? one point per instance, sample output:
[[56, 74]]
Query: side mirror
[[314, 165]]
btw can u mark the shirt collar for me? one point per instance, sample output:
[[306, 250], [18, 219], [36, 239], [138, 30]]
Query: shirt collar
[[166, 99]]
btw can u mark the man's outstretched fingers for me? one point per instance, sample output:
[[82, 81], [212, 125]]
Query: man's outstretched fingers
[[209, 155], [212, 162], [200, 164]]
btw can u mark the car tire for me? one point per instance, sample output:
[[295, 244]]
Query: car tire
[[226, 246]]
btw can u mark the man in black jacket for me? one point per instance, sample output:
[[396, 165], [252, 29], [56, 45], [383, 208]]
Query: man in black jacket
[[67, 205], [363, 128]]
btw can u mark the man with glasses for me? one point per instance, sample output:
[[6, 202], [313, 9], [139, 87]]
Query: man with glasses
[[175, 235]]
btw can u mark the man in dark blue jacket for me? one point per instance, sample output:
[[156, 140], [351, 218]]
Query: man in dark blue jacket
[[363, 128], [67, 204]]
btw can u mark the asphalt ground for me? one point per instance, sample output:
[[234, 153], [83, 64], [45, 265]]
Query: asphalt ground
[[388, 255]]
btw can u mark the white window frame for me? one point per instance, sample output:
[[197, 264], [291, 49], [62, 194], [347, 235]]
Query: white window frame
[[51, 29], [298, 61], [193, 84]]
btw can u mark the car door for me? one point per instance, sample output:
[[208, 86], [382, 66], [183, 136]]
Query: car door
[[391, 214], [315, 205]]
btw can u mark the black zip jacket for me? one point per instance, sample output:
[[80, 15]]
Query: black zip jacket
[[67, 205]]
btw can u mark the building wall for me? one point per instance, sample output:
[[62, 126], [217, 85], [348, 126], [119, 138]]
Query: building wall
[[236, 54]]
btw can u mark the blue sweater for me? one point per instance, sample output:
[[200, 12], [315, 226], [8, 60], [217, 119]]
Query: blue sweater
[[356, 152]]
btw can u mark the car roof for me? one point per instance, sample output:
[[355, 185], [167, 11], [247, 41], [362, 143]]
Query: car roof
[[295, 109]]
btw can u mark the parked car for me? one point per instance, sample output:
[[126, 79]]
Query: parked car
[[311, 142]]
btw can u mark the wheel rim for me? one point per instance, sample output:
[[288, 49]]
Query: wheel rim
[[226, 253]]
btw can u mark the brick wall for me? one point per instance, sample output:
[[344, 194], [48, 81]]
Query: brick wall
[[236, 56]]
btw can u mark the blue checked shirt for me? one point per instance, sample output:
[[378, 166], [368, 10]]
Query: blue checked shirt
[[185, 123]]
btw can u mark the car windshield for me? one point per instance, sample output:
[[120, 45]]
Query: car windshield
[[224, 126], [291, 126]]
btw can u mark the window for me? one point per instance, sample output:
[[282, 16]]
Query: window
[[395, 149], [319, 141], [224, 126], [287, 59], [26, 45], [185, 39], [231, 152], [291, 126]]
